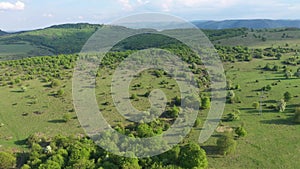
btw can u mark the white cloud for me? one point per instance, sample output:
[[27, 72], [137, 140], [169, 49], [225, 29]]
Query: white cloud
[[12, 6], [131, 5], [48, 15], [126, 4]]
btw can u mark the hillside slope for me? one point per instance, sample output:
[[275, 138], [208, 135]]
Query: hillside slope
[[59, 39], [254, 24]]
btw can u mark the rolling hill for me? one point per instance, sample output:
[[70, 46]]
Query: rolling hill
[[58, 39], [2, 33], [254, 24]]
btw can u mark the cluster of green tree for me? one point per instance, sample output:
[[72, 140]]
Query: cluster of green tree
[[60, 39], [239, 53], [214, 35], [77, 153], [2, 33], [45, 68], [294, 61]]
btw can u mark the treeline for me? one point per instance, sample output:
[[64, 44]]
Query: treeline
[[46, 68], [78, 153], [241, 53]]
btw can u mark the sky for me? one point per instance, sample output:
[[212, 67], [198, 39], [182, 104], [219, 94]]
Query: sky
[[16, 15]]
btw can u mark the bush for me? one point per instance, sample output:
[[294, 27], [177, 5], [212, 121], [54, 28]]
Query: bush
[[205, 103], [255, 105], [60, 92], [67, 117], [226, 144], [7, 160], [287, 96], [197, 122], [55, 83], [232, 116], [297, 115], [134, 97], [241, 132]]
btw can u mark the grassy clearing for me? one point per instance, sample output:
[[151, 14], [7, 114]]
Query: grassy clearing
[[32, 111], [272, 39], [272, 140]]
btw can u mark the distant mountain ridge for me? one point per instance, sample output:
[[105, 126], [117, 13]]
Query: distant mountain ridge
[[251, 23], [2, 33]]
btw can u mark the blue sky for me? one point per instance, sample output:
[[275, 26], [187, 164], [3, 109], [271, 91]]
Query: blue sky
[[32, 14]]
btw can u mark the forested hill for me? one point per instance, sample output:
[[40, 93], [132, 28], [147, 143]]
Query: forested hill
[[70, 38], [254, 24], [58, 39], [2, 33]]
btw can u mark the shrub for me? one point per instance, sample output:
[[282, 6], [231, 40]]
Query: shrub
[[60, 92], [241, 132], [297, 115], [232, 116], [197, 122], [67, 117], [287, 96], [55, 83], [205, 103], [226, 144], [134, 97], [7, 160], [255, 105]]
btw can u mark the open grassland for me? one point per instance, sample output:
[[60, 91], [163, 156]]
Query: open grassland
[[273, 138], [264, 38], [30, 103]]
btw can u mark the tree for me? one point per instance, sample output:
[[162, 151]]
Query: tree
[[84, 163], [55, 83], [60, 92], [231, 96], [197, 122], [192, 156], [7, 160], [226, 144], [67, 117], [205, 103], [278, 56], [240, 131], [173, 113], [287, 96], [255, 105], [297, 74], [25, 166], [288, 74], [144, 130], [232, 116], [50, 165], [134, 96], [281, 105], [297, 115], [23, 88]]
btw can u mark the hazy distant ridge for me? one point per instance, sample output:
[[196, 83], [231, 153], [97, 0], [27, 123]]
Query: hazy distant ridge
[[255, 24], [2, 33]]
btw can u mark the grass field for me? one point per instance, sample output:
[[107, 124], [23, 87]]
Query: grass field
[[272, 140], [272, 39], [35, 110]]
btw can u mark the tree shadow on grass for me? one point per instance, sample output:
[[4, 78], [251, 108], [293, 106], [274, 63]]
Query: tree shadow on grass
[[22, 158], [270, 101], [253, 111], [279, 121], [57, 121], [17, 91], [21, 142], [212, 151]]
